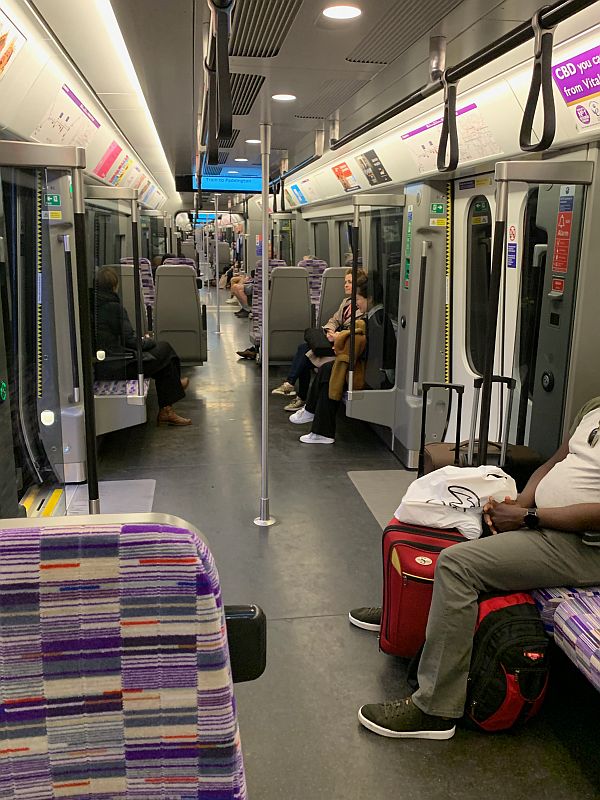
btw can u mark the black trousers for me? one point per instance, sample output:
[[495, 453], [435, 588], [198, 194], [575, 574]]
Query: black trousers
[[319, 404], [161, 363]]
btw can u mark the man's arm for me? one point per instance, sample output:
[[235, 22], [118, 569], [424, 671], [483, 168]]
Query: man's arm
[[572, 519]]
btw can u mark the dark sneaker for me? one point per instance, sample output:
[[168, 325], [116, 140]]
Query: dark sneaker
[[367, 618], [249, 354], [242, 313], [402, 719]]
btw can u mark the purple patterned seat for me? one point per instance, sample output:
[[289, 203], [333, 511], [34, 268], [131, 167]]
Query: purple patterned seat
[[115, 682], [256, 321], [548, 600], [119, 388], [147, 279], [577, 632], [315, 268], [189, 262]]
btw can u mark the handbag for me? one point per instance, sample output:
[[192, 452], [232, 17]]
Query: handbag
[[318, 342]]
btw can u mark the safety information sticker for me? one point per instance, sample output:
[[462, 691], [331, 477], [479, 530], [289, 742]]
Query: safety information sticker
[[511, 255], [564, 226]]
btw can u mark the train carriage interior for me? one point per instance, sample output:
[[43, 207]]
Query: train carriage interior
[[269, 271]]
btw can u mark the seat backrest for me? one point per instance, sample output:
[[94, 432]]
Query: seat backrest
[[147, 280], [289, 311], [256, 321], [180, 260], [178, 312], [332, 293], [115, 681], [315, 268]]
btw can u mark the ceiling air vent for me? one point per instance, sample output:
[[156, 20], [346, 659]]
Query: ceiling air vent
[[396, 31], [334, 94], [259, 28], [209, 169], [225, 144], [244, 91], [223, 157]]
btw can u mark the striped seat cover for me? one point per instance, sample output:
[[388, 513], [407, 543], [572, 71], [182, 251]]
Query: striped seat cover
[[119, 388], [577, 632], [147, 280], [115, 680], [315, 268], [548, 600], [256, 321]]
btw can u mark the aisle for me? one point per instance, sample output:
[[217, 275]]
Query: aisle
[[298, 722]]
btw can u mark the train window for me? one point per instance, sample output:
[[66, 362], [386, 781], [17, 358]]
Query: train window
[[479, 244], [384, 292], [158, 245], [321, 234]]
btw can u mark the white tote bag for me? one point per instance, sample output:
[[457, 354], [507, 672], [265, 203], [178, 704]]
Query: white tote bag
[[453, 497]]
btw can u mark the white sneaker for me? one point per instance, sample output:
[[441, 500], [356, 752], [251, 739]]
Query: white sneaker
[[302, 416], [315, 438], [232, 301], [286, 389]]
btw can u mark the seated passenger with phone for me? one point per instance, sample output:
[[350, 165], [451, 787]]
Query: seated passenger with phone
[[537, 544]]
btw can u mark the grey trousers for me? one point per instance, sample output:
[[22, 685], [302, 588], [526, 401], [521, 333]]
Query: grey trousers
[[506, 562]]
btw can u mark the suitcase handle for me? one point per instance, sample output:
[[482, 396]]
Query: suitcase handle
[[510, 384], [452, 387]]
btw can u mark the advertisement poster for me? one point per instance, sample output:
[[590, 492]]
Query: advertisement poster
[[344, 175], [103, 167], [290, 198], [578, 81], [67, 121], [11, 41], [298, 195], [122, 166], [374, 170], [475, 137]]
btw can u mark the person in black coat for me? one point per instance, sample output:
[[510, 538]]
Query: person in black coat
[[115, 335]]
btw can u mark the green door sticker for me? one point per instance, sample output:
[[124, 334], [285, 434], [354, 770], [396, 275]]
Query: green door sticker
[[437, 208], [52, 200]]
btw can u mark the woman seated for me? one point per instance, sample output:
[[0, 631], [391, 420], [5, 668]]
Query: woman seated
[[322, 404], [115, 335], [302, 367]]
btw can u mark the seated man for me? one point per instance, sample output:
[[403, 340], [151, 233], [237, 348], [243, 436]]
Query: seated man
[[242, 291], [537, 545]]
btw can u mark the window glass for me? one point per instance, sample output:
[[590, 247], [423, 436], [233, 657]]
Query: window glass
[[344, 232], [479, 243], [321, 233], [383, 291]]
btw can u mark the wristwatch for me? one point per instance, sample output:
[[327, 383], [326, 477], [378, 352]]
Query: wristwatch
[[531, 519]]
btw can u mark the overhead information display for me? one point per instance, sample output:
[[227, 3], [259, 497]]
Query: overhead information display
[[474, 135], [68, 121]]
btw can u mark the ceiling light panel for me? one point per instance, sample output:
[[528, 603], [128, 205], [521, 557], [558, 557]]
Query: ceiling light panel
[[284, 98], [258, 29], [334, 93], [399, 28], [244, 91], [342, 12]]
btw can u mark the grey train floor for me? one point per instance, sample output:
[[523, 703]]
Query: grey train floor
[[300, 734]]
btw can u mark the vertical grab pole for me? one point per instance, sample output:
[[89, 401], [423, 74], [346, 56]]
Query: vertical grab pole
[[66, 240], [354, 245], [264, 519], [492, 318], [137, 293], [217, 259], [85, 336]]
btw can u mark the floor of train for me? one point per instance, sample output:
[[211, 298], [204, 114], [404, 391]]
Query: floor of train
[[300, 733]]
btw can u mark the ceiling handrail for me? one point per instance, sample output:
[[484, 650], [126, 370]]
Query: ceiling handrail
[[541, 81], [449, 133]]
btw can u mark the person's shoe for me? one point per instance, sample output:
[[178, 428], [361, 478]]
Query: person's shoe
[[369, 619], [402, 719], [242, 314], [286, 388], [167, 416], [316, 438], [248, 353], [301, 416], [297, 403], [185, 382], [232, 302]]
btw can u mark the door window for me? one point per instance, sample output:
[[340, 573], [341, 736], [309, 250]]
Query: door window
[[321, 234], [479, 243]]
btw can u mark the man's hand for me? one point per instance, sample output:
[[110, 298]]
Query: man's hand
[[331, 336], [506, 516]]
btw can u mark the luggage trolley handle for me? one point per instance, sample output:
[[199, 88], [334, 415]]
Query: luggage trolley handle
[[510, 384], [452, 387]]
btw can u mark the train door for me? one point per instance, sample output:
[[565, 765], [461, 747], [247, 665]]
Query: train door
[[283, 237], [552, 228]]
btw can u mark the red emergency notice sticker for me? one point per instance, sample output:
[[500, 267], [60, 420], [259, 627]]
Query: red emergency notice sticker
[[562, 241]]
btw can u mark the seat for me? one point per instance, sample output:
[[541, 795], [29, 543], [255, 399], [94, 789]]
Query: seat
[[548, 600], [115, 678], [118, 405], [256, 321], [180, 260], [577, 633], [180, 317], [315, 268], [148, 290], [290, 312], [332, 293]]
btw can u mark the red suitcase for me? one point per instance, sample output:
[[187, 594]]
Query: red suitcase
[[410, 553]]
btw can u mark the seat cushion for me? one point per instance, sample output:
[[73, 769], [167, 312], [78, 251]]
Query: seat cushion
[[119, 388], [548, 600], [577, 632], [115, 680]]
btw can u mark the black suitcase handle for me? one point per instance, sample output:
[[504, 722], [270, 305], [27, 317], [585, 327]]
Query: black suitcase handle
[[452, 387]]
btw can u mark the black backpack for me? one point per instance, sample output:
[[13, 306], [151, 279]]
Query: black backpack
[[509, 671]]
